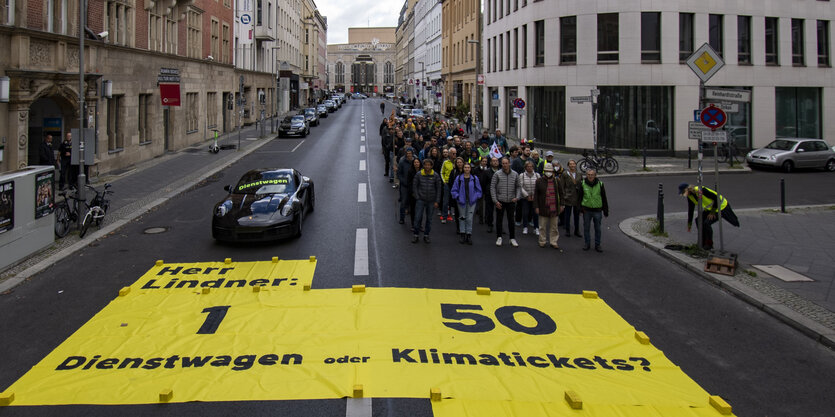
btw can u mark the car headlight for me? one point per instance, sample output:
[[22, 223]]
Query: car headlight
[[772, 157], [222, 209], [286, 210]]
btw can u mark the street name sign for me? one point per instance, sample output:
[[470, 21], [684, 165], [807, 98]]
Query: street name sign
[[705, 62], [517, 112], [728, 107], [742, 96], [581, 99]]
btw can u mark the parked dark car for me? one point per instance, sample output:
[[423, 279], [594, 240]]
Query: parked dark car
[[265, 204], [331, 105], [323, 110], [312, 116], [294, 125]]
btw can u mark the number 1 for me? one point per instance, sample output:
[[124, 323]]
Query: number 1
[[216, 315]]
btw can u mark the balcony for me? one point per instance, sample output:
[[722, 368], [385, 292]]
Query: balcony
[[264, 33]]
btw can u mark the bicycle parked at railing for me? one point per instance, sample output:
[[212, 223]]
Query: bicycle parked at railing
[[603, 160], [728, 152], [67, 211]]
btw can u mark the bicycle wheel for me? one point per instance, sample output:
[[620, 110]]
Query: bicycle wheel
[[610, 165], [85, 224], [584, 165], [62, 221], [99, 217], [722, 154]]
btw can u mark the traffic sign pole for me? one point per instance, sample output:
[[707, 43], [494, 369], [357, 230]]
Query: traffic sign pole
[[699, 223]]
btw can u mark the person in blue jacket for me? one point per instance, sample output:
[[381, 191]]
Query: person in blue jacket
[[466, 190]]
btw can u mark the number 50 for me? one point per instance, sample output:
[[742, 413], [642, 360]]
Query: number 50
[[505, 315]]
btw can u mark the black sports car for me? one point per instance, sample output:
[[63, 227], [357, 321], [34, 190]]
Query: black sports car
[[294, 125], [266, 204]]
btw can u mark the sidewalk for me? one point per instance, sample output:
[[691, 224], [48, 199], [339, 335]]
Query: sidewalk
[[801, 241], [139, 189]]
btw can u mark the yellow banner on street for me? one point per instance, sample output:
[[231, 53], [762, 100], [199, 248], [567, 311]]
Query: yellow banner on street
[[242, 331]]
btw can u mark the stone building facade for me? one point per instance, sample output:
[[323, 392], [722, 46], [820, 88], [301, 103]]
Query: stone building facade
[[366, 64]]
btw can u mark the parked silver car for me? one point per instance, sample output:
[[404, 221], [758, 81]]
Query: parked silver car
[[791, 153]]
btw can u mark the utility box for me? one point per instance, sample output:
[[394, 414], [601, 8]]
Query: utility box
[[27, 221]]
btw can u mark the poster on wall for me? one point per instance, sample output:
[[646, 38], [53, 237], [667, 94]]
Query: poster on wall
[[6, 206], [44, 197]]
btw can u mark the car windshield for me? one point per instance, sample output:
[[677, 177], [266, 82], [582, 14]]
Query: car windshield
[[782, 145], [298, 118], [309, 111], [269, 182]]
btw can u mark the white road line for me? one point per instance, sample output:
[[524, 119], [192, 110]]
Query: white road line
[[362, 130], [362, 165], [362, 138], [362, 193], [362, 148], [297, 146], [358, 407], [361, 254]]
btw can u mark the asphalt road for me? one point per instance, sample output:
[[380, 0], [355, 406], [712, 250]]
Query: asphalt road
[[759, 365]]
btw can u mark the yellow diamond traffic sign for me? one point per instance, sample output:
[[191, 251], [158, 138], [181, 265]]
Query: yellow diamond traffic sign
[[705, 62]]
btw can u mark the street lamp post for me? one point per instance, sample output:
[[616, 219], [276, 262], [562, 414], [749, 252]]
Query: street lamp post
[[473, 107], [275, 110], [418, 86]]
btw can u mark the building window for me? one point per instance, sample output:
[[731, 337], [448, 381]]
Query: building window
[[487, 58], [56, 18], [155, 28], [651, 37], [823, 43], [771, 39], [215, 45], [340, 73], [568, 40], [7, 12], [118, 18], [144, 127], [685, 36], [507, 48], [716, 33], [743, 27], [194, 41], [192, 115], [524, 46], [631, 117], [388, 73], [170, 36], [539, 42], [211, 110], [258, 12], [224, 50], [501, 48], [516, 48], [115, 139], [547, 124], [607, 38], [798, 57], [227, 4], [494, 54], [798, 112]]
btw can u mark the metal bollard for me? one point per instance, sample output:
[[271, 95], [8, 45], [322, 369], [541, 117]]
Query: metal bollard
[[645, 157], [689, 158], [782, 195], [660, 214]]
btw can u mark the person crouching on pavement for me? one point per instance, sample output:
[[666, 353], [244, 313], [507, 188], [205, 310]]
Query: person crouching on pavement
[[593, 205], [548, 203], [710, 210], [466, 190], [427, 188]]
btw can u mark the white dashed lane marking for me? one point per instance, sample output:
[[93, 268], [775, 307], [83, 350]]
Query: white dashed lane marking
[[361, 254], [362, 165], [362, 193]]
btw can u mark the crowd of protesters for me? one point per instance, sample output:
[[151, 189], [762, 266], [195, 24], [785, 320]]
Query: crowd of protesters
[[440, 171]]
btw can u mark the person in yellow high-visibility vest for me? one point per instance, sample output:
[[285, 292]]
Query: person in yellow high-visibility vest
[[711, 203]]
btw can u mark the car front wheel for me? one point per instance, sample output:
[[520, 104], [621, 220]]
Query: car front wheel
[[830, 165], [788, 166]]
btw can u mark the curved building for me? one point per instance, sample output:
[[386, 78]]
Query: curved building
[[629, 59], [366, 64]]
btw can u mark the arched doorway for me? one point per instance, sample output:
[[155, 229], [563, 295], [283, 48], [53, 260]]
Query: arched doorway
[[53, 115]]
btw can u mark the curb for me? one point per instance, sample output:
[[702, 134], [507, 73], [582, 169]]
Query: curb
[[55, 258], [743, 170], [805, 325]]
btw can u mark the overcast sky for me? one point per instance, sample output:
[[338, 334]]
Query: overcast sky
[[343, 14]]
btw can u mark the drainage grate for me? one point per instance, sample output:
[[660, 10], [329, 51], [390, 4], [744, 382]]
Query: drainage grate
[[155, 230]]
